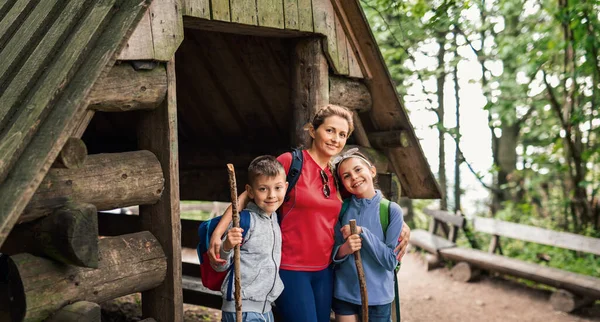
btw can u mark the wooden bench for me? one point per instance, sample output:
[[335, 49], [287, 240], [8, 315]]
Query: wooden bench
[[442, 233], [573, 290]]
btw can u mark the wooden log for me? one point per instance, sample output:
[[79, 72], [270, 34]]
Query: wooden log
[[310, 86], [565, 301], [69, 235], [362, 281], [125, 89], [107, 181], [72, 155], [81, 311], [389, 139], [157, 132], [39, 287], [350, 93], [463, 272], [432, 261]]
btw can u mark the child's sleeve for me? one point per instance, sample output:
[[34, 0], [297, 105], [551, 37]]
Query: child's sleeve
[[339, 241], [382, 252]]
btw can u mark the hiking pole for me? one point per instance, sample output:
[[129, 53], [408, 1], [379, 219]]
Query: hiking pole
[[364, 297], [236, 250]]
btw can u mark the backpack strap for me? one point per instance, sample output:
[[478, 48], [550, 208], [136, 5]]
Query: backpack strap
[[345, 205], [295, 170], [384, 214]]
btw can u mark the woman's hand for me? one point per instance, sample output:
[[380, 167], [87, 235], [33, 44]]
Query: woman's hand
[[234, 238], [402, 242], [346, 231]]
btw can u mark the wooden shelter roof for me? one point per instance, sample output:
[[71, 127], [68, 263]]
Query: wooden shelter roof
[[51, 54]]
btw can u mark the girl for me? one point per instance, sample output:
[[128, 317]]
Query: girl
[[307, 221], [357, 173]]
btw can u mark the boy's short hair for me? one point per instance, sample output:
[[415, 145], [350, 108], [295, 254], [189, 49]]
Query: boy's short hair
[[264, 165]]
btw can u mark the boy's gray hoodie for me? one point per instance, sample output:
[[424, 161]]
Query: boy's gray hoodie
[[260, 257]]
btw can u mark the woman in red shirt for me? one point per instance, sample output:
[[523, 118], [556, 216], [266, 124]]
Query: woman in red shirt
[[308, 217]]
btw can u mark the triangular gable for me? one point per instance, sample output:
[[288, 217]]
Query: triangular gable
[[51, 53]]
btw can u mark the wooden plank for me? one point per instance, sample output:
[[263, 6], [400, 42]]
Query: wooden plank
[[290, 8], [10, 17], [310, 86], [445, 216], [19, 132], [537, 235], [428, 241], [16, 48], [220, 26], [270, 13], [140, 45], [167, 28], [305, 16], [27, 174], [219, 10], [342, 47], [354, 69], [324, 22], [195, 293], [580, 284], [244, 11], [157, 132], [197, 8]]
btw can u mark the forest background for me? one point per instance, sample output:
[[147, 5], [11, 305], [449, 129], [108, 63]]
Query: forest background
[[511, 89]]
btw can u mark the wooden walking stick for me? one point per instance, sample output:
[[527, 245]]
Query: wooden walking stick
[[236, 250], [364, 297]]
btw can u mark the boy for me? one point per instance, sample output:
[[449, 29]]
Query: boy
[[260, 252]]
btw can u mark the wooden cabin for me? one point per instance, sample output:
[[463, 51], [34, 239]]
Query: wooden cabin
[[112, 103]]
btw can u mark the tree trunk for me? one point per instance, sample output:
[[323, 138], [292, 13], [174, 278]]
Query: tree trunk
[[457, 158], [441, 79], [39, 287], [107, 181]]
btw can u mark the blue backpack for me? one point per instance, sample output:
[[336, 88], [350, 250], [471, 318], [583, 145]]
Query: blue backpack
[[211, 278]]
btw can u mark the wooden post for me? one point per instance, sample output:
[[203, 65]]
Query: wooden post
[[310, 86], [81, 311], [464, 272], [157, 132], [38, 287], [565, 301], [236, 251], [390, 139], [364, 296], [69, 235]]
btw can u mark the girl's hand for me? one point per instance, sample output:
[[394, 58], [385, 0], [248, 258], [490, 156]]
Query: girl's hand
[[402, 242], [346, 231], [353, 243], [234, 238]]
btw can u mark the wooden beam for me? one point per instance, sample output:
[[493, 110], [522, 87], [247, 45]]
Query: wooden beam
[[565, 301], [220, 26], [69, 235], [72, 155], [445, 216], [428, 241], [537, 235], [350, 93], [107, 181], [157, 132], [310, 86], [128, 264], [389, 139], [125, 89], [360, 134], [81, 311]]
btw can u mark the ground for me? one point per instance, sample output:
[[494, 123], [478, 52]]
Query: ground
[[425, 296]]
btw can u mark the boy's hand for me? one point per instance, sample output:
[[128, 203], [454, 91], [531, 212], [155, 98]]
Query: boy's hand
[[234, 238], [353, 243], [346, 231], [402, 242]]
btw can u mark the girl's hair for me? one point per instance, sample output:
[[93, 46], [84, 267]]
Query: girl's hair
[[331, 110]]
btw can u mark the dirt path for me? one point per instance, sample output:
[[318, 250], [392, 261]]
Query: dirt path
[[434, 296], [425, 296]]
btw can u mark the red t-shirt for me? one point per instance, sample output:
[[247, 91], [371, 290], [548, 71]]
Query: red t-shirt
[[308, 218]]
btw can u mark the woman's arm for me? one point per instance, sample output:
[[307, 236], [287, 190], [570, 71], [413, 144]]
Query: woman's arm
[[215, 239], [403, 242]]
